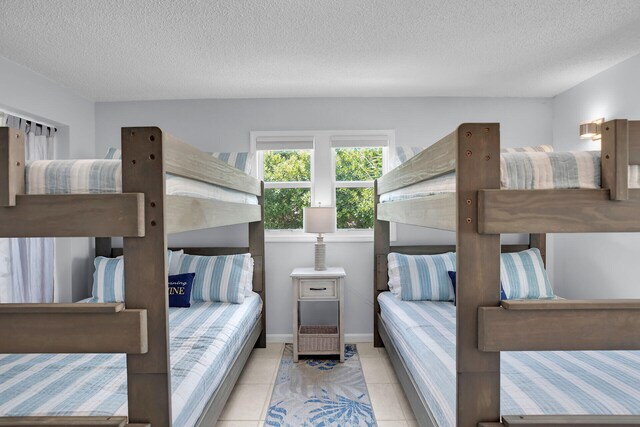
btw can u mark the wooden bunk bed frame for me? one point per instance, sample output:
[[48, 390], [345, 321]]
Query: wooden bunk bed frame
[[479, 212], [144, 215]]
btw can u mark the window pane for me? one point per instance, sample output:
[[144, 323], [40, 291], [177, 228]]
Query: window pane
[[358, 164], [283, 207], [354, 207], [287, 165]]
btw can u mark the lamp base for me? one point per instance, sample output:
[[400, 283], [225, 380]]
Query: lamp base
[[321, 254]]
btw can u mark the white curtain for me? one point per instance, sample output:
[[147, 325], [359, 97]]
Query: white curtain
[[27, 265]]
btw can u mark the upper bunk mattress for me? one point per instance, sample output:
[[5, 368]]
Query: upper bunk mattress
[[527, 171], [552, 382], [105, 176], [205, 340]]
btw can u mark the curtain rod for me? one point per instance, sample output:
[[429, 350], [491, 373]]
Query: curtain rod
[[5, 113]]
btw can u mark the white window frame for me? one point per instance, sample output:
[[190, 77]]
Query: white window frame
[[323, 183]]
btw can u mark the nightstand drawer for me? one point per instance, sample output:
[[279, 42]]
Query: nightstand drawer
[[312, 289]]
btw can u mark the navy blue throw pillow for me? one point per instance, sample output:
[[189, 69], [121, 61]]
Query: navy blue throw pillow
[[180, 289], [452, 276]]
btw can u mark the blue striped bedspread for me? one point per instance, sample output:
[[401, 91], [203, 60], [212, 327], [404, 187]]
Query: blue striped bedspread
[[553, 382], [205, 340], [527, 171], [91, 176]]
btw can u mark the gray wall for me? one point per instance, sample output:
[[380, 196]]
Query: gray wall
[[224, 125], [25, 92], [597, 265]]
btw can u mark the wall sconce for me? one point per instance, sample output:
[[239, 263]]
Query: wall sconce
[[591, 129]]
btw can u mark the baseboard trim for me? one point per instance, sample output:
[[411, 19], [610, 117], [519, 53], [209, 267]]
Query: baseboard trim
[[349, 338]]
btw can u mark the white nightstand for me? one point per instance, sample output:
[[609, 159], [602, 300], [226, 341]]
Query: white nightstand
[[312, 285]]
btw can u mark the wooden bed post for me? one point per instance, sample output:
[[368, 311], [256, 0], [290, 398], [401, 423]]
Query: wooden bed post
[[103, 246], [256, 247], [614, 158], [145, 269], [478, 274], [380, 251], [12, 159]]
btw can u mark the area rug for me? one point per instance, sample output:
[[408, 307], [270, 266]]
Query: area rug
[[320, 393]]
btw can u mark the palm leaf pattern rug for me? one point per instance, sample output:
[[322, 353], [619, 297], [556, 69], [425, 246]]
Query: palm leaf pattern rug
[[320, 393]]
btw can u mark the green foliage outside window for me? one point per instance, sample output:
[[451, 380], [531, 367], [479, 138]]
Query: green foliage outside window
[[358, 164], [354, 206], [286, 166], [283, 206]]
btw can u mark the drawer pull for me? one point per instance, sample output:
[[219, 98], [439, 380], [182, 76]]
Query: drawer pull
[[317, 289]]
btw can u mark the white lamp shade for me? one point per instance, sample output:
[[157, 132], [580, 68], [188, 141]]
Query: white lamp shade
[[320, 220]]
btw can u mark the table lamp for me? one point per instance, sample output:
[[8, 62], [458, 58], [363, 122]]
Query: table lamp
[[320, 220]]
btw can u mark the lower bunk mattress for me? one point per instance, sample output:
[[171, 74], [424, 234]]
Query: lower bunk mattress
[[93, 176], [205, 340], [553, 382], [527, 171]]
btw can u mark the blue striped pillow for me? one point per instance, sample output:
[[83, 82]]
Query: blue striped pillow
[[239, 160], [108, 277], [108, 280], [219, 278], [523, 275], [421, 277], [402, 154], [113, 154]]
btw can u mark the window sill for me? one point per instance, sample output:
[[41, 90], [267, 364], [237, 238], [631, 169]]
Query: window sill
[[298, 237]]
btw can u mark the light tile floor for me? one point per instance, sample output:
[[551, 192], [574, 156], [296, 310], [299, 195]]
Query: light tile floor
[[247, 406]]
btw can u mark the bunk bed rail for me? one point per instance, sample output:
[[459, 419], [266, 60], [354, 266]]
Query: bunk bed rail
[[556, 211], [566, 420], [560, 325], [96, 421], [188, 161], [521, 211], [435, 160], [72, 328]]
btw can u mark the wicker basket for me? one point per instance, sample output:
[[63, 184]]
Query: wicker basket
[[318, 338]]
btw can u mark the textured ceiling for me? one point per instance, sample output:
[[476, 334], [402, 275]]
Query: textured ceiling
[[111, 50]]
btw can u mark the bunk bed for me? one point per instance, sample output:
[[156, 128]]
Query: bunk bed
[[478, 210], [144, 215]]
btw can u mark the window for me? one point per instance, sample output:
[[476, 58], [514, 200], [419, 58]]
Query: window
[[287, 178], [285, 164], [334, 168], [356, 165]]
